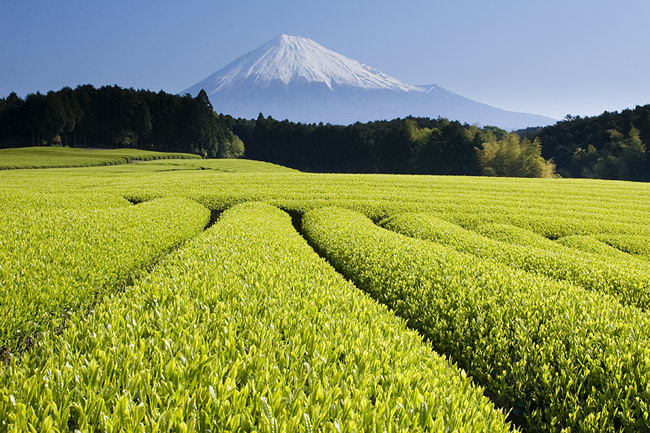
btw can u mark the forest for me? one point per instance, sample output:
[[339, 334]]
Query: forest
[[608, 146], [113, 117], [400, 146]]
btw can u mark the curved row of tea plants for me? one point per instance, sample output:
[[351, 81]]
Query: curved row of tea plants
[[627, 280], [244, 328], [55, 260], [630, 243], [634, 246], [546, 225], [590, 244], [513, 234], [219, 165], [558, 356]]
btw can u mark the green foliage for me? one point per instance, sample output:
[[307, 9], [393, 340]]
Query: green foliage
[[561, 358], [551, 207], [620, 158], [225, 165], [62, 260], [411, 145], [512, 157], [112, 117], [246, 310], [416, 134], [498, 133], [46, 157], [627, 280], [590, 244], [636, 244], [612, 145], [244, 328], [231, 146], [623, 158]]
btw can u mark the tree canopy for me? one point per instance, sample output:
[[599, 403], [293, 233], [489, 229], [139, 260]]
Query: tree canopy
[[510, 156], [609, 146], [110, 117]]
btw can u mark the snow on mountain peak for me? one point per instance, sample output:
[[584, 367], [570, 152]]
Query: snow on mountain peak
[[291, 77], [288, 58]]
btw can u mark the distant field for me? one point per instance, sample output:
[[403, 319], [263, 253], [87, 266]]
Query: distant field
[[235, 295], [46, 157], [223, 165]]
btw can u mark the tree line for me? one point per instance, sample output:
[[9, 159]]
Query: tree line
[[608, 146], [111, 117], [413, 145]]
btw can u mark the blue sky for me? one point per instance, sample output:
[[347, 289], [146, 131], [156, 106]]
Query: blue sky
[[546, 57]]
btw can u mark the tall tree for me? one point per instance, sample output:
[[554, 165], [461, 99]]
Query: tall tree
[[12, 123], [34, 115]]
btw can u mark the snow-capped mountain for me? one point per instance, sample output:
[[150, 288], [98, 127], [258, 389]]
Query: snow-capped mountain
[[298, 79]]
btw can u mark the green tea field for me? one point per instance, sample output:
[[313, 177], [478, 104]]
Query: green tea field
[[192, 295], [49, 157]]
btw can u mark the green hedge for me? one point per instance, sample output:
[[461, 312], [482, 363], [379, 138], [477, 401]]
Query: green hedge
[[627, 280], [243, 329], [557, 356], [60, 260]]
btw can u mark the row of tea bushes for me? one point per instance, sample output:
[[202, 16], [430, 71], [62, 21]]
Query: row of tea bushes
[[630, 243], [55, 260], [557, 356], [635, 245], [553, 208], [590, 244], [244, 328], [628, 280]]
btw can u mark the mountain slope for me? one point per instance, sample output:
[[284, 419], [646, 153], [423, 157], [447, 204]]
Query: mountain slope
[[298, 79]]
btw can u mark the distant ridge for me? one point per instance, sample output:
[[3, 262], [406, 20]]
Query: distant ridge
[[298, 79]]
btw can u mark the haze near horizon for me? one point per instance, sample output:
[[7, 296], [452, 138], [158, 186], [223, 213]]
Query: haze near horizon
[[552, 58], [296, 78]]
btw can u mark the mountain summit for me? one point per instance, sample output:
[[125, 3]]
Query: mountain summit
[[298, 79], [292, 58]]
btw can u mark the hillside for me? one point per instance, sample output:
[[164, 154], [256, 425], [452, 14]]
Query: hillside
[[320, 302], [49, 157], [65, 157]]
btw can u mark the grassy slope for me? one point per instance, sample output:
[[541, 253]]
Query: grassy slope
[[221, 165], [46, 157]]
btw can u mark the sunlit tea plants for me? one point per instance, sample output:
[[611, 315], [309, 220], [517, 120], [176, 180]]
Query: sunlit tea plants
[[239, 296]]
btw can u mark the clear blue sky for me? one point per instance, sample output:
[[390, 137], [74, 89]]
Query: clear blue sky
[[548, 57]]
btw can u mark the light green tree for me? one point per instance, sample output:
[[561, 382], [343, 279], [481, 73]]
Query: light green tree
[[624, 157], [512, 157], [231, 147]]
